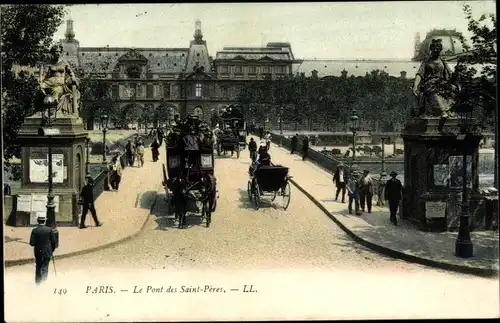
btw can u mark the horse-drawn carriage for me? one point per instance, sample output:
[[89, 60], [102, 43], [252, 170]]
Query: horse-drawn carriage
[[235, 141], [189, 175], [271, 181]]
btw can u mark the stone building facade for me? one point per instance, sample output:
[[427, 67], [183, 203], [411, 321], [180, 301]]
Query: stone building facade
[[186, 80]]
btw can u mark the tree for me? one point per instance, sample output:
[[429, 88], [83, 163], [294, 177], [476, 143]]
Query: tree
[[26, 36], [479, 89]]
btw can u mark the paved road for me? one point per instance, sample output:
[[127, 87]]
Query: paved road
[[300, 240]]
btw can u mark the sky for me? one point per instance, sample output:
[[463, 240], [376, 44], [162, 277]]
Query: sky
[[322, 30]]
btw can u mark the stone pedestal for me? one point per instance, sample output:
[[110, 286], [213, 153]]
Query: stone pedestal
[[431, 147], [69, 147]]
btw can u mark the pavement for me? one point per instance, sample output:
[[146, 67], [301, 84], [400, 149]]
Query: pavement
[[375, 231], [123, 213]]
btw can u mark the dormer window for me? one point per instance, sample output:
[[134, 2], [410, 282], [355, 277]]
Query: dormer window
[[134, 72]]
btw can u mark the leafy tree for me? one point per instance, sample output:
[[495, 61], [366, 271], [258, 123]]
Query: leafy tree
[[478, 88], [26, 36]]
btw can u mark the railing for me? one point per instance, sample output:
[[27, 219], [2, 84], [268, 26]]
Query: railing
[[328, 163]]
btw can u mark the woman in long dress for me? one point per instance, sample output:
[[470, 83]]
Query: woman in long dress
[[59, 81], [433, 84]]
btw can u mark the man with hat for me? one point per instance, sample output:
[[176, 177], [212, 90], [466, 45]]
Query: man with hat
[[393, 194], [87, 202], [353, 191], [366, 191], [340, 179], [44, 242]]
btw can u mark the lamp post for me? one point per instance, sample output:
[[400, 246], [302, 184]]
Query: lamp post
[[463, 244], [49, 131], [354, 128], [104, 123], [383, 177], [87, 161]]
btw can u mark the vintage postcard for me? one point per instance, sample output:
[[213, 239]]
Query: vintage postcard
[[250, 161]]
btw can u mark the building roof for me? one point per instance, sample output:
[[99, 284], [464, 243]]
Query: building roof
[[273, 51], [159, 60]]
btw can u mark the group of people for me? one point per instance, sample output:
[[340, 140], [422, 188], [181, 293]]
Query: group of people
[[258, 157], [135, 151], [360, 191]]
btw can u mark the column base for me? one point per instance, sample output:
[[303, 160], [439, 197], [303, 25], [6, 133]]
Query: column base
[[464, 249]]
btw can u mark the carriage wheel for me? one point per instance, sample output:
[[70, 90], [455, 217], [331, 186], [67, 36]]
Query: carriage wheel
[[286, 193], [218, 150], [249, 190], [256, 196], [214, 206], [274, 196]]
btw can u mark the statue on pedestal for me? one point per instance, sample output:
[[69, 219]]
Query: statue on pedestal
[[434, 85], [58, 84]]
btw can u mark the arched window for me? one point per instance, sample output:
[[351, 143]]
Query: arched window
[[133, 72], [198, 90]]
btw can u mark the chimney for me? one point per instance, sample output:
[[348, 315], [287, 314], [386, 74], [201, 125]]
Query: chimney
[[344, 73], [403, 75], [314, 74], [70, 33]]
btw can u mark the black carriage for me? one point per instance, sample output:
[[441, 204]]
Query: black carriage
[[189, 178], [234, 118], [228, 142], [269, 181]]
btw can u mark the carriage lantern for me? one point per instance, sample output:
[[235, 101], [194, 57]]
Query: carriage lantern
[[463, 244]]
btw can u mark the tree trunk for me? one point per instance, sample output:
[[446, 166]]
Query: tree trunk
[[394, 138], [495, 157]]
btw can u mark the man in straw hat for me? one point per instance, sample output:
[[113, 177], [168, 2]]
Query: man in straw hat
[[87, 202], [353, 191], [44, 242], [393, 194]]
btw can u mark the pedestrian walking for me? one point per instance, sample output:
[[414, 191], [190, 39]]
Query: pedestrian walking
[[87, 202], [294, 143], [44, 243], [353, 192], [261, 132], [340, 180], [252, 147], [129, 152], [154, 150], [393, 194], [305, 148], [267, 138], [366, 191], [161, 136], [140, 153], [115, 173]]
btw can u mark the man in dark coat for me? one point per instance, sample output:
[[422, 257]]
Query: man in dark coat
[[294, 143], [160, 135], [252, 147], [340, 180], [305, 147], [393, 194], [44, 242], [87, 201]]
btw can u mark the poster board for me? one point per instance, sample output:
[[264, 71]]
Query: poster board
[[39, 170], [24, 203], [39, 203], [435, 210]]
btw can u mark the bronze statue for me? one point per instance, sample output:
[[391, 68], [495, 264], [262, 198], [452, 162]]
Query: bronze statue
[[58, 83], [434, 86]]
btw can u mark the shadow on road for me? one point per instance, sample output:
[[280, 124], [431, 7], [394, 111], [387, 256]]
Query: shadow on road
[[265, 201], [227, 156], [146, 199], [165, 218]]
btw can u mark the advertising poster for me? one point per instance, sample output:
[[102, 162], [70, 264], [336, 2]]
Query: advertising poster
[[456, 171], [24, 203], [39, 169]]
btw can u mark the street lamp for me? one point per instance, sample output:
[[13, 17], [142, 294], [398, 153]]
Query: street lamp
[[383, 177], [104, 123], [49, 131], [354, 128], [463, 244], [87, 142]]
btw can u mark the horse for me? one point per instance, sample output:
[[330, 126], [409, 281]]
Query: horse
[[208, 196]]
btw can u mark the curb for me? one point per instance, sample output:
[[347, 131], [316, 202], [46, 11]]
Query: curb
[[19, 262], [482, 272]]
